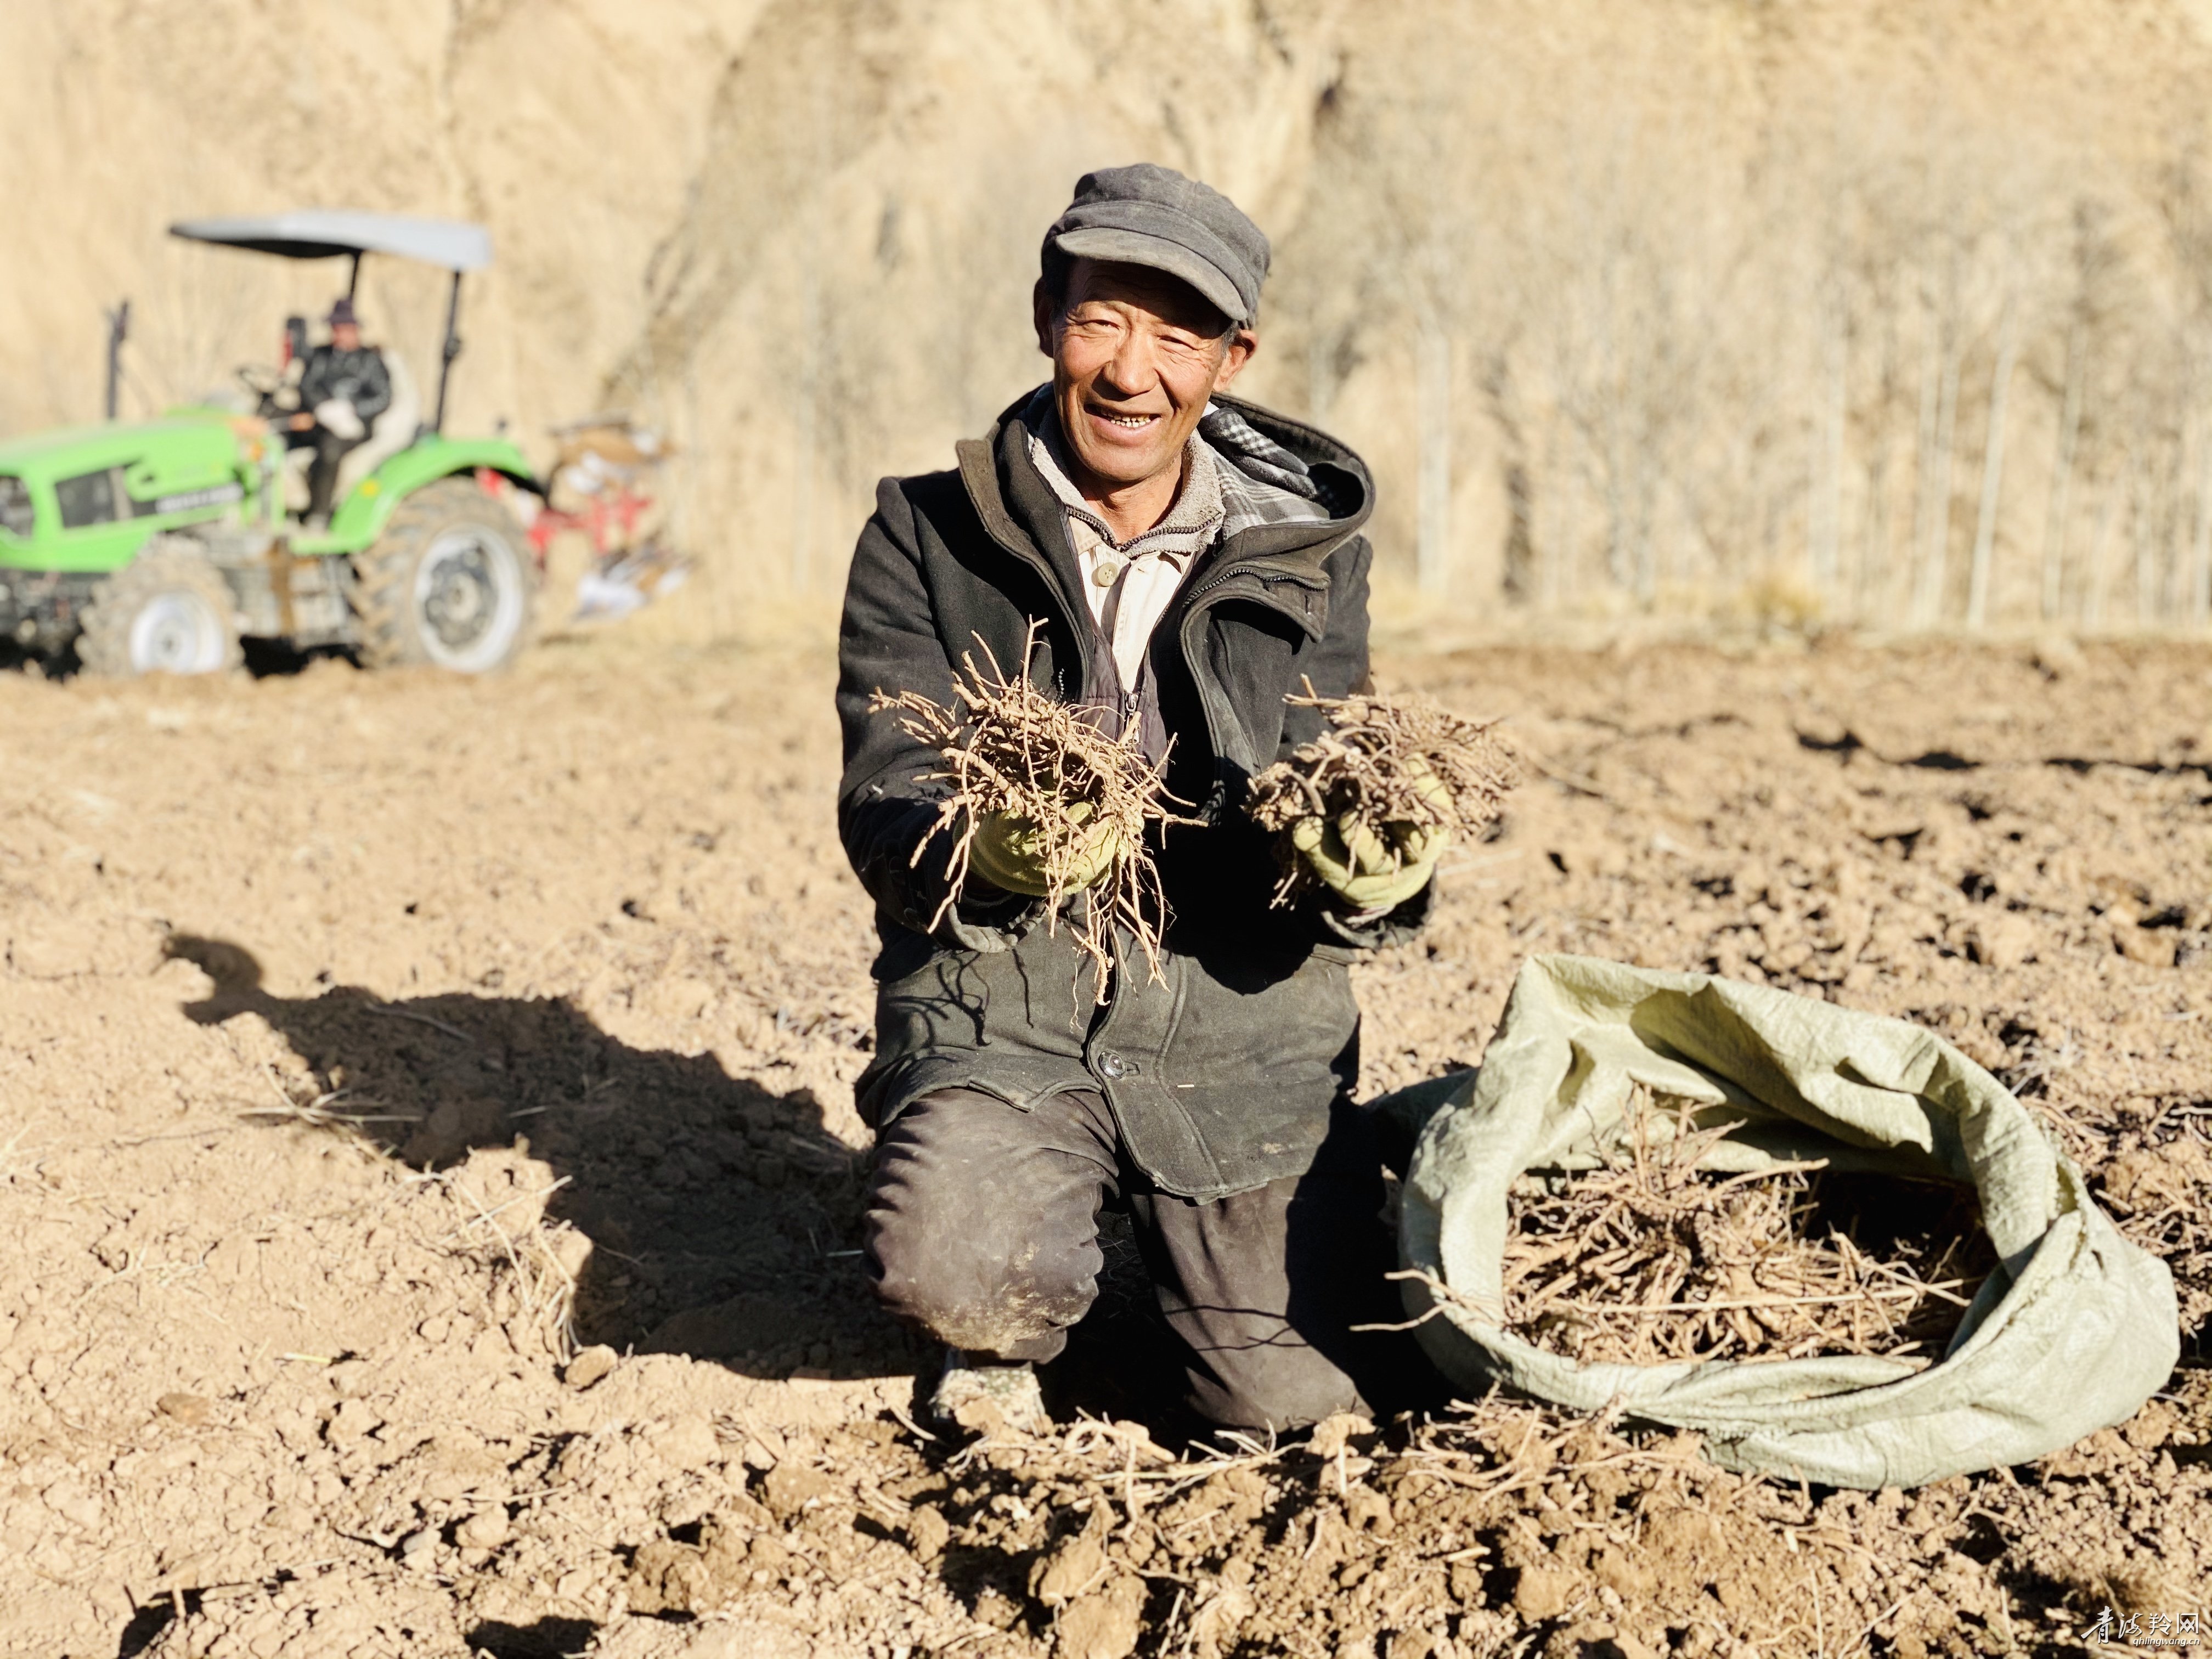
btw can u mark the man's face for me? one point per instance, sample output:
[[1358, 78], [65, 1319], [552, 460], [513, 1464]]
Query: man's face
[[1135, 355], [346, 337]]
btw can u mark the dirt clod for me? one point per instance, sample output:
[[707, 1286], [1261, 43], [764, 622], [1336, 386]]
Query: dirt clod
[[1104, 1624], [590, 1365], [1543, 1592], [1075, 1567], [789, 1488], [487, 1529], [927, 1534], [190, 1409]]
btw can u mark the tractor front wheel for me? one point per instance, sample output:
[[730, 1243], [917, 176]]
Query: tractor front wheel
[[449, 583], [168, 611]]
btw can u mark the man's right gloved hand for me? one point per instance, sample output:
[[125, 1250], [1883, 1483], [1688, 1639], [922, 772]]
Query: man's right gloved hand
[[1010, 853]]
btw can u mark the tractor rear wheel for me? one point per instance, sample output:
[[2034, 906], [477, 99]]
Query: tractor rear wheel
[[449, 583], [168, 611]]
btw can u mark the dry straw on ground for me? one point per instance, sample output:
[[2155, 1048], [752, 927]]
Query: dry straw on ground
[[1010, 749], [1373, 760], [1653, 1260]]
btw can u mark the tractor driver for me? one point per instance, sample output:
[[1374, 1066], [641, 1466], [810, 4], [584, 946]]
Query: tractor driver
[[343, 389]]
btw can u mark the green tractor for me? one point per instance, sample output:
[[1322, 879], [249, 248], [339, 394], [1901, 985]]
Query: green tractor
[[158, 547]]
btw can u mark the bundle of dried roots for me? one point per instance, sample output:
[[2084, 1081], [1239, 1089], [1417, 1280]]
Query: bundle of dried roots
[[1010, 749], [1379, 760], [1653, 1260]]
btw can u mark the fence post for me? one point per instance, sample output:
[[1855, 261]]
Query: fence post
[[1433, 549], [1826, 508], [1985, 523], [1933, 574], [2062, 477], [2200, 549]]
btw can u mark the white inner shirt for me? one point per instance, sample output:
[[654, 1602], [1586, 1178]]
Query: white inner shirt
[[1129, 584]]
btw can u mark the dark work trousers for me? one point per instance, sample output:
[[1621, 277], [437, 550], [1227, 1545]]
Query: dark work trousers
[[983, 1230], [323, 470]]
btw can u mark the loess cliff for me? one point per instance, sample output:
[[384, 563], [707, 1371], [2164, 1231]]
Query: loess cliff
[[1827, 310]]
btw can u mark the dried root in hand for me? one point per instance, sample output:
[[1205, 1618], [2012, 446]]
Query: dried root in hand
[[1377, 764], [1010, 750], [1653, 1260]]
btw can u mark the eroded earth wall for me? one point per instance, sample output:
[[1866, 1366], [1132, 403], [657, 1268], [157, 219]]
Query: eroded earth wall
[[1664, 296]]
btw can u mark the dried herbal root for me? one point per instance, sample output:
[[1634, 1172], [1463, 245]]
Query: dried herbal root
[[1009, 748], [1652, 1260], [1374, 761]]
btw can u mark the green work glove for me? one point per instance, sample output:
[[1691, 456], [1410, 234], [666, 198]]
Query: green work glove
[[1375, 873], [1009, 853]]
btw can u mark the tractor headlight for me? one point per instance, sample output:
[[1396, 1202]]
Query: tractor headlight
[[16, 516]]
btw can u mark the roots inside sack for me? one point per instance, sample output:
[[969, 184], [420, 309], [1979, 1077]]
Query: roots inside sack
[[1372, 762], [1010, 749], [1652, 1260]]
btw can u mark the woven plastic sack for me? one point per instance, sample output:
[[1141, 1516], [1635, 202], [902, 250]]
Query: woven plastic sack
[[2072, 1332]]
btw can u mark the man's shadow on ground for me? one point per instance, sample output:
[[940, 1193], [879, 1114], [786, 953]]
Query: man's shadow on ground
[[724, 1217]]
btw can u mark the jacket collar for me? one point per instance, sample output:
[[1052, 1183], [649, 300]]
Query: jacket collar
[[1020, 512], [1192, 519]]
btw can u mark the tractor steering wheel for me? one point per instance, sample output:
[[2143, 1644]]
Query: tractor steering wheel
[[268, 386]]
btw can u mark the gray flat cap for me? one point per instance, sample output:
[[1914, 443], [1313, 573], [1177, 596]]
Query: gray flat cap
[[1152, 216]]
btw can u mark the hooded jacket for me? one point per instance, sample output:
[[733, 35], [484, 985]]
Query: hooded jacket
[[1225, 1076]]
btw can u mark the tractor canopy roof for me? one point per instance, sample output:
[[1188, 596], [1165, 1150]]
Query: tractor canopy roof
[[331, 232]]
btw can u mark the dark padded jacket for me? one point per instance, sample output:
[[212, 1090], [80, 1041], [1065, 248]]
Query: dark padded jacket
[[1224, 1077], [358, 376]]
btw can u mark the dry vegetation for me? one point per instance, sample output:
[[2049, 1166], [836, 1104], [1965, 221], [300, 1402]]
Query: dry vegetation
[[1377, 764], [1652, 1260], [1012, 750]]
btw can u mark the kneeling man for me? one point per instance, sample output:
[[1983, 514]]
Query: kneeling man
[[1192, 560]]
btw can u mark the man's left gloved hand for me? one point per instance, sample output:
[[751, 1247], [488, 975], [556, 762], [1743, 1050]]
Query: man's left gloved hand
[[1371, 871]]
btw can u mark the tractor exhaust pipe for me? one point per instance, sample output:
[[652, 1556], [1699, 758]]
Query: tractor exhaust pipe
[[452, 349], [118, 330]]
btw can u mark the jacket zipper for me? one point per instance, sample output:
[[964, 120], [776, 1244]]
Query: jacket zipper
[[1251, 567], [1196, 606]]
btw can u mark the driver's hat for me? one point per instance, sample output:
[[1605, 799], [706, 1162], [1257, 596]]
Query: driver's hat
[[343, 314]]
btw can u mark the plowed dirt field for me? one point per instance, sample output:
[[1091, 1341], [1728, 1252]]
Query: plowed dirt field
[[371, 1045]]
